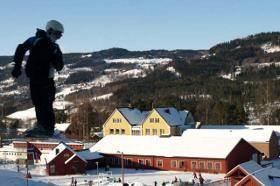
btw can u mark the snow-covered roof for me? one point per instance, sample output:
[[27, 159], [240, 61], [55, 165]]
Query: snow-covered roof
[[61, 147], [276, 128], [248, 167], [133, 115], [62, 127], [24, 114], [248, 135], [269, 176], [169, 146], [88, 155], [172, 116], [72, 157]]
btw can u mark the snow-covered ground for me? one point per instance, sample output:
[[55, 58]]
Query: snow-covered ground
[[173, 70], [269, 48], [148, 177], [140, 60]]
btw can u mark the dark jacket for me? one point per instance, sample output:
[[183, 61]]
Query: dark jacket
[[43, 53]]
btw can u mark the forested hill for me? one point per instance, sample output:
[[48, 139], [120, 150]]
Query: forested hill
[[231, 83]]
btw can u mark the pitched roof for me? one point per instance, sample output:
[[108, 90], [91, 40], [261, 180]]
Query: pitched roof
[[276, 128], [61, 147], [72, 157], [168, 147], [247, 134], [269, 176], [133, 115], [172, 116], [87, 155], [246, 167]]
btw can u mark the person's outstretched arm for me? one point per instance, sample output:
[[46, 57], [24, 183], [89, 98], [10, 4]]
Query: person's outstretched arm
[[19, 55]]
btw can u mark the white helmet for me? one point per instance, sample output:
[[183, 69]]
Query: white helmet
[[55, 25]]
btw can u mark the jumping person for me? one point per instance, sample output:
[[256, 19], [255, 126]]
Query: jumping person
[[44, 58]]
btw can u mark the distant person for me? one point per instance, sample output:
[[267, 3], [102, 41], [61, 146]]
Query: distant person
[[194, 175], [44, 58], [201, 179]]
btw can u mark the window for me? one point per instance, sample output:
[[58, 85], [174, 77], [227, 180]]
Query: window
[[148, 132], [201, 165], [173, 164], [66, 155], [159, 163], [154, 120], [117, 120], [111, 131], [193, 164], [141, 161], [148, 162], [117, 131], [218, 166], [128, 162], [52, 169], [209, 165], [123, 131], [181, 164], [161, 131], [154, 131], [136, 132]]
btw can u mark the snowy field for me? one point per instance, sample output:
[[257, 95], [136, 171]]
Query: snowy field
[[9, 176]]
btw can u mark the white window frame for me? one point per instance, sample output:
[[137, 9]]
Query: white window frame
[[171, 163], [159, 160], [193, 168]]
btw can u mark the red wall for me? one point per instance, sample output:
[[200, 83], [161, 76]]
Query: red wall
[[76, 165], [50, 146], [115, 161], [241, 153]]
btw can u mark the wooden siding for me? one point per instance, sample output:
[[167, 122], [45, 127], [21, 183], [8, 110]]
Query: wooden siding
[[157, 126], [111, 124]]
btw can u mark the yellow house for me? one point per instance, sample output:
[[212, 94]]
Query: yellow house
[[167, 121], [124, 121]]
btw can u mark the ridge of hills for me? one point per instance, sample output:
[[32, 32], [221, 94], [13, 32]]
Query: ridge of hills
[[233, 82]]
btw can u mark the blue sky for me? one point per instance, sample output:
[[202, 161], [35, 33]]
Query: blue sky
[[92, 25]]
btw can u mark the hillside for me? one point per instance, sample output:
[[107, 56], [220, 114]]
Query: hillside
[[234, 82]]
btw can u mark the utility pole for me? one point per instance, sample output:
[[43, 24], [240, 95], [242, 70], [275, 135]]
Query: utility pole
[[97, 172], [122, 170], [122, 165]]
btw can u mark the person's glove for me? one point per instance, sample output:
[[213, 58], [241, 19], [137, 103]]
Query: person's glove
[[16, 72]]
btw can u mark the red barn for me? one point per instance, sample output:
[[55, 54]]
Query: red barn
[[213, 155], [63, 160], [252, 174]]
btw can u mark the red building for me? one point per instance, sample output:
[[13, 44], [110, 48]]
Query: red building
[[63, 160], [212, 155], [252, 174], [47, 145]]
